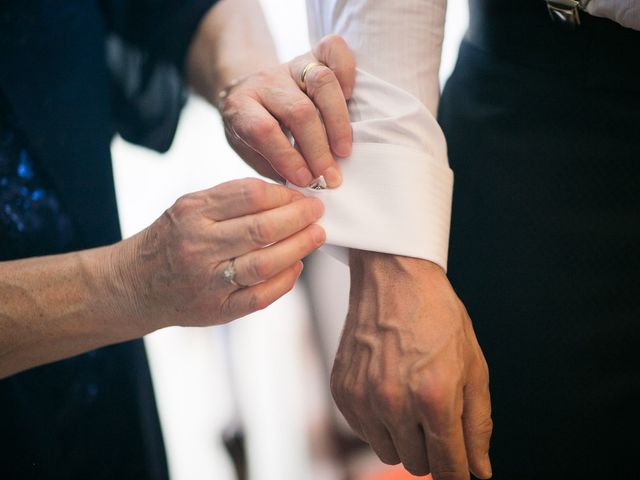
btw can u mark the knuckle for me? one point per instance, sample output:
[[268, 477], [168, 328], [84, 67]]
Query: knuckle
[[388, 397], [258, 130], [256, 302], [254, 192], [262, 268], [320, 78], [355, 393], [227, 308], [252, 302], [483, 427], [331, 42], [183, 205], [437, 393], [259, 302], [230, 106], [435, 399], [184, 252], [261, 232], [302, 111]]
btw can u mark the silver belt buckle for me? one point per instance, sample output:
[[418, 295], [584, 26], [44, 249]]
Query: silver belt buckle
[[566, 12]]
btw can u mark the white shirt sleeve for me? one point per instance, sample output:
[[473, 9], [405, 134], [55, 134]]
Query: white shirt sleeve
[[397, 188], [625, 12]]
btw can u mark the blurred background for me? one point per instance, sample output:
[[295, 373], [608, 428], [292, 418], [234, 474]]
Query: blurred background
[[260, 383]]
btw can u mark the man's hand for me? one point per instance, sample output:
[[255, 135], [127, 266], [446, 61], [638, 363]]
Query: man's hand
[[409, 375], [264, 108]]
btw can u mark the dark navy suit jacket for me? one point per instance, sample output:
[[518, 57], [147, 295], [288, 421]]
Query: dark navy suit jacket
[[75, 72]]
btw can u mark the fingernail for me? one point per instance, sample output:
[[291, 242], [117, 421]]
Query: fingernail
[[332, 176], [302, 177], [343, 148], [318, 235]]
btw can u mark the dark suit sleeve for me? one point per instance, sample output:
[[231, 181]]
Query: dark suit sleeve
[[146, 48], [163, 29]]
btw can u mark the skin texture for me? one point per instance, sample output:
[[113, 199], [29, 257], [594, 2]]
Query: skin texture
[[266, 107], [268, 104], [176, 266], [169, 274], [409, 375]]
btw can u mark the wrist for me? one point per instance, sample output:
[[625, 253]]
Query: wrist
[[364, 262], [121, 281], [228, 44]]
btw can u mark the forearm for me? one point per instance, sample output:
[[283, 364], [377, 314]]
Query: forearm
[[232, 40], [58, 306]]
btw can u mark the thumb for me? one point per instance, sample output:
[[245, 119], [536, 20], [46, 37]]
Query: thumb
[[334, 52]]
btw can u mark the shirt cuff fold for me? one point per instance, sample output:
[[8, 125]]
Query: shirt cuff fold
[[394, 199]]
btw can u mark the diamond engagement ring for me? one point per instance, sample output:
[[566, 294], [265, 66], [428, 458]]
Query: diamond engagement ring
[[229, 274]]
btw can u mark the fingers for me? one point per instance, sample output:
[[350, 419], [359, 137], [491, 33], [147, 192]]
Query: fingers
[[441, 415], [255, 126], [299, 114], [253, 158], [324, 89], [410, 444], [318, 118], [245, 197], [477, 423], [238, 236], [334, 52], [248, 300], [381, 442], [261, 265]]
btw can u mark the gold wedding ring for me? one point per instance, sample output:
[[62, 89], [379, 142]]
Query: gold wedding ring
[[302, 83]]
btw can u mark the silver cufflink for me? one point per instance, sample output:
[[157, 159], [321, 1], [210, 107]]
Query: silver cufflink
[[318, 184]]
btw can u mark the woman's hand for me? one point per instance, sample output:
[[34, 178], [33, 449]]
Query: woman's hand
[[265, 107], [175, 268]]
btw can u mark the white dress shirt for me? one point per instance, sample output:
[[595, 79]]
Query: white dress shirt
[[397, 189], [396, 194]]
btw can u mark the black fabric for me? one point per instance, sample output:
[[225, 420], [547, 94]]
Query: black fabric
[[545, 243], [73, 73], [30, 209]]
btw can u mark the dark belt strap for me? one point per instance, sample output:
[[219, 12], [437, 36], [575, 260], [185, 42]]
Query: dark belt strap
[[599, 53]]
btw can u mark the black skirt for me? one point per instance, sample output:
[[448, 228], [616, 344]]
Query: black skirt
[[545, 245]]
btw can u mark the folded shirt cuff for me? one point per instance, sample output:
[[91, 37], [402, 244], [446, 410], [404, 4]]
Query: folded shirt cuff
[[394, 199]]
